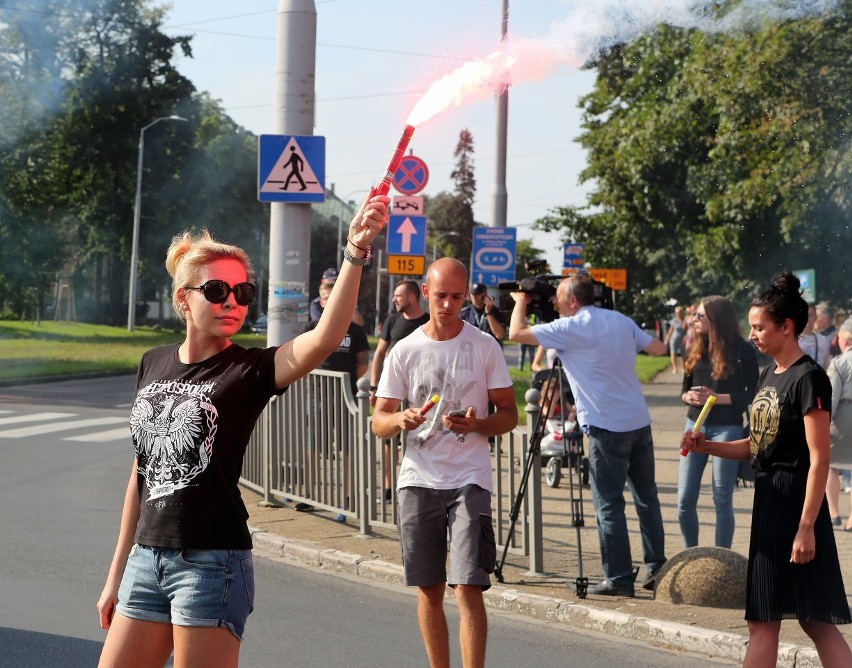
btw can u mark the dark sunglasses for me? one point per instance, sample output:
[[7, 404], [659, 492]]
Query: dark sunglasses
[[216, 291]]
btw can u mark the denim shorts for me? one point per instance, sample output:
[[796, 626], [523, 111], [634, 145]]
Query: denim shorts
[[211, 588]]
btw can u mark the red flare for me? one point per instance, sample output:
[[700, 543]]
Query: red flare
[[384, 185]]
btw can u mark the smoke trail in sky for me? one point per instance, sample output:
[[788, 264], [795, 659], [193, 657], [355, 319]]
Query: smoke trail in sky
[[592, 28]]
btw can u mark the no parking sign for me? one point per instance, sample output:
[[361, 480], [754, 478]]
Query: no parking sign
[[411, 176]]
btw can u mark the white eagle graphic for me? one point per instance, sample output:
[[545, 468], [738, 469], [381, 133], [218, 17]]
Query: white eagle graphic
[[168, 440]]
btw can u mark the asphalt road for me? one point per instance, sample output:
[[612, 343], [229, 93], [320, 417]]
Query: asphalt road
[[61, 483]]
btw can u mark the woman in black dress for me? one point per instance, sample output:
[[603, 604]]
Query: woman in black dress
[[793, 570]]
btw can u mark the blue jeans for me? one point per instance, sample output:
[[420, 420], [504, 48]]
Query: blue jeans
[[724, 481], [616, 458], [525, 350]]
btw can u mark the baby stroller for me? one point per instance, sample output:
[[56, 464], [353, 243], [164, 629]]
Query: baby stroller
[[562, 442]]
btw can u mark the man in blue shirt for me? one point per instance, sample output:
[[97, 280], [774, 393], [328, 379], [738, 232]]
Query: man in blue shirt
[[598, 349]]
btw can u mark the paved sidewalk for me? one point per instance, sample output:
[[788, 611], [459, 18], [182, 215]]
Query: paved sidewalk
[[316, 539]]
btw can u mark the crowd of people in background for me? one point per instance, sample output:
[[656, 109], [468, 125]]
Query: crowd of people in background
[[792, 422], [793, 566]]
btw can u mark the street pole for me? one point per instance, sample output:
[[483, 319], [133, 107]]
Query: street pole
[[501, 195], [137, 216], [379, 271], [290, 223]]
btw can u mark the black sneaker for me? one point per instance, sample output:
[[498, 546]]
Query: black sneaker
[[304, 507], [609, 588], [650, 581]]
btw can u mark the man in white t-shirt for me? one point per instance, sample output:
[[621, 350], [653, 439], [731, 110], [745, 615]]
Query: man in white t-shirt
[[445, 478]]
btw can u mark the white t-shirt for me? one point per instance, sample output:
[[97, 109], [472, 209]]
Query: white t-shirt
[[461, 371]]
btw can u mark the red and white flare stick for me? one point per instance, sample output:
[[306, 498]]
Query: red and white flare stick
[[384, 185]]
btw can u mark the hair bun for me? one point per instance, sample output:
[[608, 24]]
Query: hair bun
[[787, 283]]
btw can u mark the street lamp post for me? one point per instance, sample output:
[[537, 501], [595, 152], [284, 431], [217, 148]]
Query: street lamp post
[[137, 214], [437, 239]]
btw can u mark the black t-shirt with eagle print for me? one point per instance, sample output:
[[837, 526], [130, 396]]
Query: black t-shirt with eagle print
[[190, 424]]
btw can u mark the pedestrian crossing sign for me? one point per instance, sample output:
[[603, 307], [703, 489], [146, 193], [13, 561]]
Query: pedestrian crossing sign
[[291, 169]]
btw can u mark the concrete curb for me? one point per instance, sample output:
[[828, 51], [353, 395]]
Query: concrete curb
[[83, 375], [668, 635], [664, 634]]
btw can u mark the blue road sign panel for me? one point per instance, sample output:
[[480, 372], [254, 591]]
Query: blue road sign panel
[[291, 168], [494, 250], [573, 256], [407, 235]]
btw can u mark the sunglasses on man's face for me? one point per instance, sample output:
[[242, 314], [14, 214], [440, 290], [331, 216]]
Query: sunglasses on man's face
[[216, 291]]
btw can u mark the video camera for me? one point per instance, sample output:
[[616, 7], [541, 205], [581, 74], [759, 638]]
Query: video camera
[[542, 286]]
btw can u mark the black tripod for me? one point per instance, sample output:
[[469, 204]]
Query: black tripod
[[575, 456]]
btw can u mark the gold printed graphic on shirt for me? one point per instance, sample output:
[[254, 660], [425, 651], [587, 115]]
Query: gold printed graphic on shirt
[[764, 420]]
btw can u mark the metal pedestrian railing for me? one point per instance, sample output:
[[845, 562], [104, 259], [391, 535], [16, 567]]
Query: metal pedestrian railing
[[314, 445]]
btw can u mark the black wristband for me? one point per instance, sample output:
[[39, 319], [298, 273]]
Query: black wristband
[[373, 388]]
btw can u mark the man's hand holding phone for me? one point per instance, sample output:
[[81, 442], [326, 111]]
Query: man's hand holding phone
[[460, 421]]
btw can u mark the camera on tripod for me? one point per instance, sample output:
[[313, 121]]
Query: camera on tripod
[[541, 284]]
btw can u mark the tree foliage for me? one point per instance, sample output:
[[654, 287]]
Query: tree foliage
[[79, 81], [450, 215], [463, 175], [719, 159]]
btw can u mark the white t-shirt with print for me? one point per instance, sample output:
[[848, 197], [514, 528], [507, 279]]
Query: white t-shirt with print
[[461, 371]]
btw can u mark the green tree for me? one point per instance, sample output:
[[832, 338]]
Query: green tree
[[527, 253], [450, 215], [34, 51], [718, 159], [451, 225], [94, 74], [463, 175]]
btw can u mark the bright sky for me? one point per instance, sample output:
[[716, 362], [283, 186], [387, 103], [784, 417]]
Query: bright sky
[[374, 58]]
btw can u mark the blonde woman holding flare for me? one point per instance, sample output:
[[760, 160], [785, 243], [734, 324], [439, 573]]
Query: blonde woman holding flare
[[181, 579]]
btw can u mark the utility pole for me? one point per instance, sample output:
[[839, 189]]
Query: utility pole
[[501, 196], [290, 224]]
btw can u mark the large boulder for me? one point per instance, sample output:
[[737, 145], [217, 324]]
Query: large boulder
[[708, 576]]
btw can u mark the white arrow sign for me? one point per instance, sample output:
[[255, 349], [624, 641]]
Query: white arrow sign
[[406, 230]]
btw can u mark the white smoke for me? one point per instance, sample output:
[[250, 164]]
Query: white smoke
[[592, 28]]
